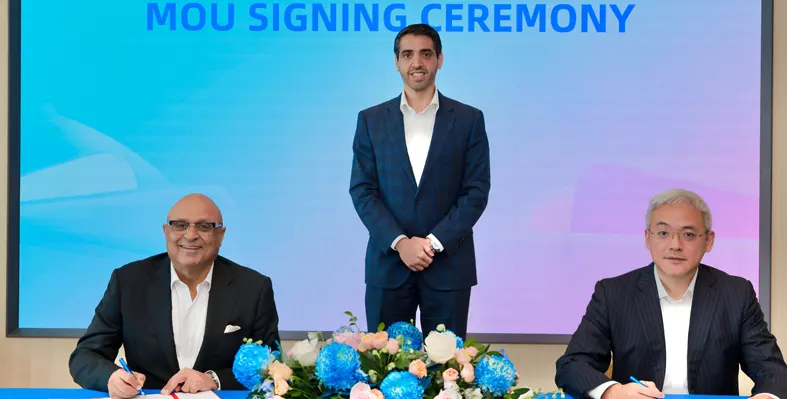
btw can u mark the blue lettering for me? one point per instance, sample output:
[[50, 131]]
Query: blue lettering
[[451, 17], [214, 17], [276, 17], [345, 17], [318, 12], [154, 13], [599, 22], [300, 19], [254, 14], [572, 18], [184, 16], [474, 19], [389, 21], [425, 15], [622, 17], [539, 15], [499, 17], [372, 22]]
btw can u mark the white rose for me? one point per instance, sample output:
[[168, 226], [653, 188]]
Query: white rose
[[473, 393], [440, 347], [306, 351]]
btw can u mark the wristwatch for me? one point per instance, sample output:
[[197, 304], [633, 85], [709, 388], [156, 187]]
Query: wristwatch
[[434, 246], [215, 378]]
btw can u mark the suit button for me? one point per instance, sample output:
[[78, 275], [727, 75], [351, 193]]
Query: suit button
[[417, 201]]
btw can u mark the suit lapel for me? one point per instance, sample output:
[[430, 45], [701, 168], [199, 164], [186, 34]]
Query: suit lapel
[[444, 122], [220, 303], [160, 309], [395, 132], [649, 309], [703, 310]]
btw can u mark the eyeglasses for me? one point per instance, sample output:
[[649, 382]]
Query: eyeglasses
[[685, 236], [181, 226]]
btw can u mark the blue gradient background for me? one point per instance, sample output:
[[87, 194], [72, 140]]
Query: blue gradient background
[[119, 122]]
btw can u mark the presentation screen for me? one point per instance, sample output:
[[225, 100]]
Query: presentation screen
[[591, 108]]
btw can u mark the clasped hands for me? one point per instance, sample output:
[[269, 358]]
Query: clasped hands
[[634, 390], [416, 252], [123, 385]]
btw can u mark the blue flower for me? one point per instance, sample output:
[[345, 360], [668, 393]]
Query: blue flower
[[495, 374], [407, 334], [250, 360], [401, 385], [339, 367]]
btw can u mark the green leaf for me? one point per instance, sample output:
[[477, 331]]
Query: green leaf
[[470, 342], [494, 353], [380, 327]]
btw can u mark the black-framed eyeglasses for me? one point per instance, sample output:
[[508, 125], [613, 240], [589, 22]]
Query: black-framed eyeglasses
[[202, 227]]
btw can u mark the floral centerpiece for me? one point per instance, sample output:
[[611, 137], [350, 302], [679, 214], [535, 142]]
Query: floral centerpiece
[[393, 363]]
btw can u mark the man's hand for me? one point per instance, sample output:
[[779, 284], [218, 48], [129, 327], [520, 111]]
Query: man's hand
[[416, 253], [122, 385], [191, 381], [632, 390]]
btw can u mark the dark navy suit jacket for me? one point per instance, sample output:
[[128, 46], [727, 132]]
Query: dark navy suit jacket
[[623, 321], [449, 200]]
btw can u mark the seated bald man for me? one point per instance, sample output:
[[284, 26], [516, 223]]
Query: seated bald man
[[181, 315]]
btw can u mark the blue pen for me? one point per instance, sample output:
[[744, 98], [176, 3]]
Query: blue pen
[[125, 367], [637, 381]]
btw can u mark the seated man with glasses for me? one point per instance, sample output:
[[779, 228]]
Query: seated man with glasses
[[181, 315], [676, 325]]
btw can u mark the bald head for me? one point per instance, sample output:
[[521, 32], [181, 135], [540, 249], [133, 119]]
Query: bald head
[[195, 205], [194, 233]]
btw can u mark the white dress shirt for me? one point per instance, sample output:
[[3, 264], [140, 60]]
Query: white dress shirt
[[676, 315], [418, 128], [188, 317]]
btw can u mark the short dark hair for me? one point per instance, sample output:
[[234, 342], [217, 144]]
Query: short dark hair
[[420, 30]]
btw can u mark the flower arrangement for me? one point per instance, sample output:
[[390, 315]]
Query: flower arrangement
[[393, 363]]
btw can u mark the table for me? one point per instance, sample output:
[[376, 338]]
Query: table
[[38, 393]]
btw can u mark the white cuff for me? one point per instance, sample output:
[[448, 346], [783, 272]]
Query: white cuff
[[434, 239], [215, 378], [596, 392], [396, 241]]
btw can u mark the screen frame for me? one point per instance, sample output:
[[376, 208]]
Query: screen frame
[[14, 142]]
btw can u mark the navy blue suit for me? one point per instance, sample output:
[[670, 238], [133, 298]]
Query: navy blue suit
[[449, 200], [623, 321]]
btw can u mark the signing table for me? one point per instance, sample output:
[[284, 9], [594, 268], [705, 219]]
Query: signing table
[[37, 393]]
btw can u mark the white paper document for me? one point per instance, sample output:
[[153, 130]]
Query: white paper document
[[180, 395]]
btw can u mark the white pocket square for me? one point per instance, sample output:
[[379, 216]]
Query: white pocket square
[[231, 329]]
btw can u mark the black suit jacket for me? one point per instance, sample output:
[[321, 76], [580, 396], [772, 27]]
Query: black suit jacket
[[450, 199], [136, 311], [623, 321]]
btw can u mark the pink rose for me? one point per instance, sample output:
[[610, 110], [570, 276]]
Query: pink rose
[[367, 343], [472, 351], [468, 373], [279, 371], [392, 346], [450, 375], [362, 391], [353, 339], [378, 394], [448, 394], [280, 387], [462, 357], [380, 340], [418, 368]]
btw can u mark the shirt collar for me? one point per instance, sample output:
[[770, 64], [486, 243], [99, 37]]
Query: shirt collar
[[663, 291], [173, 277], [435, 101]]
